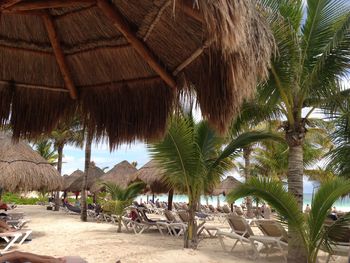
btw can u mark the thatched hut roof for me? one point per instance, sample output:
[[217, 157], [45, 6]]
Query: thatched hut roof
[[94, 174], [228, 184], [69, 179], [22, 169], [127, 61], [152, 175], [119, 174]]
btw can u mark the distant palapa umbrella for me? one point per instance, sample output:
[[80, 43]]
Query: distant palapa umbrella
[[120, 174], [228, 184], [152, 175], [23, 169], [94, 174]]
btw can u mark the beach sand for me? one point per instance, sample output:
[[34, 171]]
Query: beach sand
[[62, 234]]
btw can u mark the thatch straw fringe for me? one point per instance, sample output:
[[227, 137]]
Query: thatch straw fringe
[[129, 111], [35, 112], [6, 95]]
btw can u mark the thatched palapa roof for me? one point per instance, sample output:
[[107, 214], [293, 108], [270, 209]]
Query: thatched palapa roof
[[22, 169], [93, 175], [152, 175], [123, 62], [69, 179], [120, 174], [226, 185]]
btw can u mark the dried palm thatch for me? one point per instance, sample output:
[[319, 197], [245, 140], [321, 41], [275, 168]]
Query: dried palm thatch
[[119, 174], [69, 179], [22, 169], [152, 175], [122, 61], [94, 174], [228, 184]]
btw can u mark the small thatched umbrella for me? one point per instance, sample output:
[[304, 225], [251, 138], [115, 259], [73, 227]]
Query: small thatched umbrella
[[69, 179], [94, 174], [226, 185], [152, 175], [119, 174], [22, 169], [124, 63]]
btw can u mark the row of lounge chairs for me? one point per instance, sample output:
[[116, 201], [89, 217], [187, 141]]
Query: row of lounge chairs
[[19, 234]]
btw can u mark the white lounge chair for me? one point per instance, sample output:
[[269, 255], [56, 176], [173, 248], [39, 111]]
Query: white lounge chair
[[240, 231], [10, 238], [274, 236]]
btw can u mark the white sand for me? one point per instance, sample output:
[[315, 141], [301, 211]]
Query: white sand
[[60, 234]]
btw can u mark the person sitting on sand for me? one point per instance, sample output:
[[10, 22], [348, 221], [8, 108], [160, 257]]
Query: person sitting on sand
[[24, 257]]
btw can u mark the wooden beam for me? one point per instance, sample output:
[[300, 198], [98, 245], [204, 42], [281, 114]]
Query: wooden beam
[[30, 50], [31, 86], [192, 57], [56, 46], [44, 4], [29, 13], [7, 3], [124, 81], [120, 23]]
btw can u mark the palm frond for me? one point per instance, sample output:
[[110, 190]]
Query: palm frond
[[274, 193], [246, 139]]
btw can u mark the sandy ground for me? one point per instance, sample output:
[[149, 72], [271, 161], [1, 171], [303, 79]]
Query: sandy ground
[[61, 234]]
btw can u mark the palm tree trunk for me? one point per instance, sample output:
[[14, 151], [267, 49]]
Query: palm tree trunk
[[170, 199], [191, 235], [295, 140], [247, 167], [120, 224], [83, 215], [59, 169]]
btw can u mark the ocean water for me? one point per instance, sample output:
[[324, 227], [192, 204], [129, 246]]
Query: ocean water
[[341, 205]]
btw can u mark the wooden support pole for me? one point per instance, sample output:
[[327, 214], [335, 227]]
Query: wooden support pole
[[44, 4], [51, 31], [120, 23]]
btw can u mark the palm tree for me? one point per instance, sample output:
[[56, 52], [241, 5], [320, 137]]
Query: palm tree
[[44, 148], [88, 143], [310, 229], [67, 132], [186, 154], [313, 44], [121, 198]]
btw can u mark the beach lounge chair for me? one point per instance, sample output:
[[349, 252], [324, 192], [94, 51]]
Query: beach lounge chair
[[211, 231], [10, 238], [340, 246], [141, 222], [72, 209], [274, 236], [175, 228], [240, 231]]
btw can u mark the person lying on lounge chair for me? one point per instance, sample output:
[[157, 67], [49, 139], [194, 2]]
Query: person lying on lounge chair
[[4, 206], [4, 227], [19, 257]]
